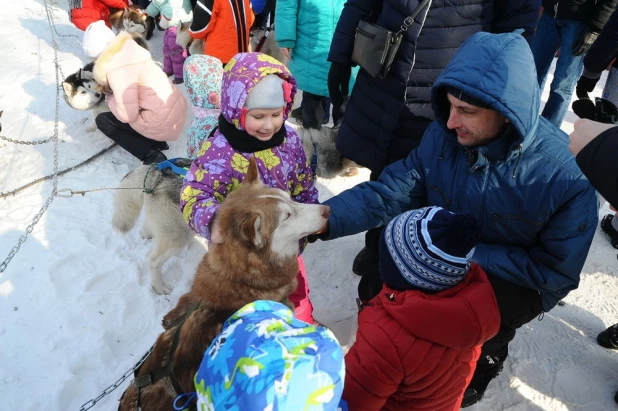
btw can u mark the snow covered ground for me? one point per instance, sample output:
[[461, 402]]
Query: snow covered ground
[[76, 309]]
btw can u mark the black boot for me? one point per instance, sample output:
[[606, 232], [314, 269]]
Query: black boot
[[487, 369], [365, 262], [153, 156], [609, 337], [608, 228], [616, 397]]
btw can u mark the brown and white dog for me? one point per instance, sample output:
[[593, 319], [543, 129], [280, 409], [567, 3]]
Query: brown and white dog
[[132, 20], [253, 257]]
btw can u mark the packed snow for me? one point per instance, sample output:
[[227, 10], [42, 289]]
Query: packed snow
[[76, 307]]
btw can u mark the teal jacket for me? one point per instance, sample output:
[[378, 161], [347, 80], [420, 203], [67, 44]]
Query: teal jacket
[[307, 27], [537, 211]]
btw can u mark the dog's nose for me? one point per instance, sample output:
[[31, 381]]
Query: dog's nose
[[325, 211]]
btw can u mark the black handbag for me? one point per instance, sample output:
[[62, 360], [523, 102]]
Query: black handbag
[[375, 47]]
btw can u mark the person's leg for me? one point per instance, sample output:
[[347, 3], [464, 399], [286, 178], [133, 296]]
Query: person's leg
[[303, 309], [544, 46], [568, 70], [326, 106], [518, 306], [312, 110], [610, 91], [139, 146], [167, 50]]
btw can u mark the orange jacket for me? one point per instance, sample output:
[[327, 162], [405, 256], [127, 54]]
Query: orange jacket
[[223, 25], [95, 10]]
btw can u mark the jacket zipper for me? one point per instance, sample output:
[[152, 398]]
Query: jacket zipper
[[556, 10]]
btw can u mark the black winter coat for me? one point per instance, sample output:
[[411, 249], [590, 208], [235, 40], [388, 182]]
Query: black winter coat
[[605, 47], [594, 13], [597, 160], [385, 119]]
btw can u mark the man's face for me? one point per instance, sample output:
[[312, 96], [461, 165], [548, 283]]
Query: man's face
[[475, 126]]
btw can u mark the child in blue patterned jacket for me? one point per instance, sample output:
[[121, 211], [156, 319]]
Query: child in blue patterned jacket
[[264, 358]]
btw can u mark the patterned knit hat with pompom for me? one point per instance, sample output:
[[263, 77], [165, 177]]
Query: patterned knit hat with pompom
[[427, 249]]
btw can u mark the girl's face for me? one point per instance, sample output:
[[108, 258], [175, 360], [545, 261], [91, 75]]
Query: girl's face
[[263, 123]]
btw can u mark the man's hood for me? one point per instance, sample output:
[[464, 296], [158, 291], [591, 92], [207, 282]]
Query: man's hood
[[460, 317], [241, 74], [499, 70]]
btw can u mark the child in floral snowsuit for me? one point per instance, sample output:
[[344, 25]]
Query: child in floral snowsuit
[[173, 14], [202, 75], [257, 96], [265, 358]]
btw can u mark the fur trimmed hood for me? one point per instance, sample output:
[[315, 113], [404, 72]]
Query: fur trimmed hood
[[124, 50]]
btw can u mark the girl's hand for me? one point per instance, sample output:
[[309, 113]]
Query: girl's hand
[[287, 53]]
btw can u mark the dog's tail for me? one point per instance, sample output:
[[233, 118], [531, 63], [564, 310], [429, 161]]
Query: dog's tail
[[129, 200]]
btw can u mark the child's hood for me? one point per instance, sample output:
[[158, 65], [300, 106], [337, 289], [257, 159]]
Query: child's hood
[[122, 51], [203, 75], [241, 74], [461, 317]]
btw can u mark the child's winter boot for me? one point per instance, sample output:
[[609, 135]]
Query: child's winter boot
[[609, 225]]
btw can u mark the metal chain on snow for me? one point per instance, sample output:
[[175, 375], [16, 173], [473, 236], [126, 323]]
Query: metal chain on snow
[[91, 403], [53, 138]]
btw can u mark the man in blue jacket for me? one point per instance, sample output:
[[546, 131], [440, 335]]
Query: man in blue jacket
[[490, 154], [385, 118]]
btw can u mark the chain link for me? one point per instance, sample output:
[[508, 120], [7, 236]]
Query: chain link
[[54, 139], [91, 403]]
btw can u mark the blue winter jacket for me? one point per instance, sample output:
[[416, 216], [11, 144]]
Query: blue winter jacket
[[385, 119], [537, 211]]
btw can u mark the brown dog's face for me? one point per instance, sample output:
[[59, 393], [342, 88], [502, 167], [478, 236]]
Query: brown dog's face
[[266, 219]]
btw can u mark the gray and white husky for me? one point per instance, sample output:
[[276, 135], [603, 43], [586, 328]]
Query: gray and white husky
[[81, 93], [163, 221]]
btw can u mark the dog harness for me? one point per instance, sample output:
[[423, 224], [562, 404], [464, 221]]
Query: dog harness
[[166, 370]]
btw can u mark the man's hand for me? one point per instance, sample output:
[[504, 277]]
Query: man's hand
[[584, 42], [339, 83], [287, 53], [585, 131], [312, 238]]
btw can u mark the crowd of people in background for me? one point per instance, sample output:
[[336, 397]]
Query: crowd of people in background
[[479, 213]]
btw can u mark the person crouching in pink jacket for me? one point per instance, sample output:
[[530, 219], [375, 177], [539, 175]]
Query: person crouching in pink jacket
[[146, 108]]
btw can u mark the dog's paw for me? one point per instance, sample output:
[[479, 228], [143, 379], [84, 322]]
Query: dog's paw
[[161, 288], [91, 129], [145, 233]]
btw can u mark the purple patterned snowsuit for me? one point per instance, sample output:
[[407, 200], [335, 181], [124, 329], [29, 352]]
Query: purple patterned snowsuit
[[219, 169], [174, 56]]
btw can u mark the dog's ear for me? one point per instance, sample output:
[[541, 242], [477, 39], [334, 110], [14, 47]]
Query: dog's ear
[[251, 230], [67, 88], [253, 174], [216, 234]]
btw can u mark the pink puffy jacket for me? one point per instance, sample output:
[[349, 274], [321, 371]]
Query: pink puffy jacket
[[142, 95]]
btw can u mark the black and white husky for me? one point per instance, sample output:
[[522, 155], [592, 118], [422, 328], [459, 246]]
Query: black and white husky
[[81, 93]]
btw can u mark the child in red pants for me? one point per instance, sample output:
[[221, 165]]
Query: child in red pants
[[256, 98]]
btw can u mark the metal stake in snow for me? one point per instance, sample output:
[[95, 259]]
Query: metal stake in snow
[[54, 139]]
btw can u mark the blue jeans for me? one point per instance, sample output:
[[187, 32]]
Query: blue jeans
[[553, 34]]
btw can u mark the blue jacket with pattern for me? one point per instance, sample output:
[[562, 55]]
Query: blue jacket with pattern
[[537, 211]]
